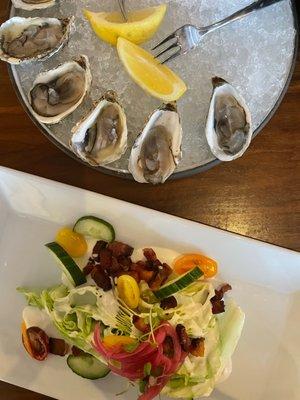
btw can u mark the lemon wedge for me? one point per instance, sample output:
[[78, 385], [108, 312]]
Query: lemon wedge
[[141, 25], [156, 79]]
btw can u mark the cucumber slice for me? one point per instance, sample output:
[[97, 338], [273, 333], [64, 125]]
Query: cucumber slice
[[87, 366], [178, 284], [95, 227], [67, 264]]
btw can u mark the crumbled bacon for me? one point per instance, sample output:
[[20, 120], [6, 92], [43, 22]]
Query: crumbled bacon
[[100, 245], [150, 254], [168, 302], [101, 279], [125, 262], [58, 347], [218, 305], [89, 267], [113, 260], [114, 268], [156, 281], [105, 259], [140, 324], [146, 275], [184, 340], [134, 274], [197, 347], [119, 249]]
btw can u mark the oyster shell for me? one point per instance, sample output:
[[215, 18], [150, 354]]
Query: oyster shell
[[101, 137], [228, 127], [33, 4], [58, 92], [157, 151], [32, 39]]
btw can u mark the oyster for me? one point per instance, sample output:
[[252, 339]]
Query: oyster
[[101, 137], [228, 127], [33, 4], [58, 92], [157, 151], [28, 39]]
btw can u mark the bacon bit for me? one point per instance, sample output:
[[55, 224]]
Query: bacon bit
[[100, 245], [89, 267], [36, 343], [101, 279], [58, 347], [168, 302], [140, 324], [141, 264], [146, 275], [119, 249], [134, 274], [197, 347], [114, 268], [156, 282], [125, 262], [165, 272], [150, 254], [77, 352], [167, 269], [218, 305], [184, 340], [168, 347], [136, 267], [105, 259], [155, 264]]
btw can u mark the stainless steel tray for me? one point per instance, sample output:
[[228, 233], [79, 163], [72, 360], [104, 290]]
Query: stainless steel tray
[[257, 55]]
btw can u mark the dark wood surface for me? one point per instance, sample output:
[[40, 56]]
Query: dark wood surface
[[257, 195]]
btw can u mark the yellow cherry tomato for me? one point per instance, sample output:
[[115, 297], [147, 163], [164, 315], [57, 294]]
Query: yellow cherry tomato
[[128, 290], [187, 262], [117, 343], [74, 243]]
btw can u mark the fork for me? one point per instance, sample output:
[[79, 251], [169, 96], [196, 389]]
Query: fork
[[189, 36], [123, 9]]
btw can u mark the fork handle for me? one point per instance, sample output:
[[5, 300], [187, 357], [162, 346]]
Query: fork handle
[[257, 5]]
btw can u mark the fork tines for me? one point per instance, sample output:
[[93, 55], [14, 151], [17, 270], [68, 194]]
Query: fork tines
[[166, 50]]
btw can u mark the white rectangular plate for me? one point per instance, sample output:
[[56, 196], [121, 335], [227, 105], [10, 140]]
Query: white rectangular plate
[[265, 280]]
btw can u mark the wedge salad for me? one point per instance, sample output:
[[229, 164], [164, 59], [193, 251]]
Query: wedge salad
[[158, 318]]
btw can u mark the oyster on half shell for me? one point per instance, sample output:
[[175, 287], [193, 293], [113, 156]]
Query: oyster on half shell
[[58, 92], [32, 39], [33, 4], [228, 126], [100, 137], [157, 151]]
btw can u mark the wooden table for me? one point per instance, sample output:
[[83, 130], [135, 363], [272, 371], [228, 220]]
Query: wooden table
[[257, 195]]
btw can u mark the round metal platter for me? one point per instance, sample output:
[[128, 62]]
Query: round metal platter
[[257, 55]]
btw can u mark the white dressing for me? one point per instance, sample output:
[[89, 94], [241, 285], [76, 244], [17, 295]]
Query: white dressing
[[33, 316]]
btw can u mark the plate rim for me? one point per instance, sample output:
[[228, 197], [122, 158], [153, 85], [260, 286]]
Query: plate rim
[[11, 171], [177, 174]]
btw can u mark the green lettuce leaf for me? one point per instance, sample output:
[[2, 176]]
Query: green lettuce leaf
[[33, 298]]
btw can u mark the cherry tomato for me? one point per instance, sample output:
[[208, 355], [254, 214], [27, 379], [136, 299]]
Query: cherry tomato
[[128, 290], [35, 341], [187, 262], [74, 243]]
